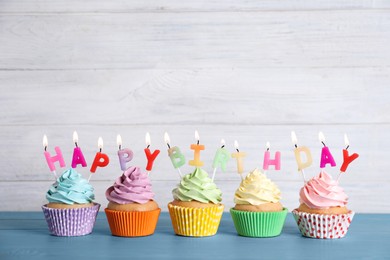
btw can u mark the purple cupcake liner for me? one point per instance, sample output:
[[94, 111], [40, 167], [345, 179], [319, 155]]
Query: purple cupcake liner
[[71, 222]]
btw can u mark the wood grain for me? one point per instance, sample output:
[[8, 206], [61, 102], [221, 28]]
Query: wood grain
[[195, 40], [249, 70]]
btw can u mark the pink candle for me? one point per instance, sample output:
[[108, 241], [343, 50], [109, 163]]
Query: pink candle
[[125, 155], [267, 161], [78, 157], [149, 156], [101, 159], [326, 156], [52, 159]]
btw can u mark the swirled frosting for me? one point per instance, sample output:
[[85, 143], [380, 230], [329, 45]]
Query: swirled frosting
[[322, 192], [70, 188], [132, 187], [199, 187], [256, 189]]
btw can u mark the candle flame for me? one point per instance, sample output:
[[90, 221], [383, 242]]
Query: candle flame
[[223, 143], [119, 140], [45, 142], [100, 143], [236, 145], [147, 139], [268, 145], [346, 141], [166, 138], [197, 136], [321, 137], [294, 138], [75, 137]]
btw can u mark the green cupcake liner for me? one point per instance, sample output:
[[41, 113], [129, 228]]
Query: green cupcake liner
[[258, 224]]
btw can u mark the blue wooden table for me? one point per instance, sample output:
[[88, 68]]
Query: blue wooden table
[[26, 236]]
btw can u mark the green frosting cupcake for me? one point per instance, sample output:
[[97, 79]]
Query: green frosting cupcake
[[199, 187]]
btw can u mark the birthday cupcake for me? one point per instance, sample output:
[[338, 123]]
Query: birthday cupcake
[[196, 210], [258, 211], [71, 210], [323, 211], [131, 211]]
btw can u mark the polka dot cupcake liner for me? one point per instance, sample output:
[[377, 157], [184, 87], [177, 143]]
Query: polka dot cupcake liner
[[132, 223], [258, 224], [71, 222], [323, 226], [195, 222]]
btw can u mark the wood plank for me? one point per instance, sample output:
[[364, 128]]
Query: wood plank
[[195, 40], [123, 6], [274, 96]]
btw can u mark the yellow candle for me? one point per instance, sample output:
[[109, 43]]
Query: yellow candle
[[303, 164], [239, 157], [197, 148]]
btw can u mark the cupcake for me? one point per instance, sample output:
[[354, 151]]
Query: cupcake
[[258, 211], [196, 210], [131, 211], [323, 211], [71, 210]]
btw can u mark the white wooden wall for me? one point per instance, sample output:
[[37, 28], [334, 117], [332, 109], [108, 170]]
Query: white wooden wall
[[246, 70]]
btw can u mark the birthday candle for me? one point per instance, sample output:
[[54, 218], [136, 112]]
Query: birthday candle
[[101, 159], [298, 151], [239, 157], [221, 158], [125, 155], [267, 161], [197, 148], [52, 159], [176, 156], [78, 157], [149, 156], [326, 156], [346, 158]]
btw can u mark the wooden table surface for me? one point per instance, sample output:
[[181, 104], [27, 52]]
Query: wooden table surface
[[25, 236]]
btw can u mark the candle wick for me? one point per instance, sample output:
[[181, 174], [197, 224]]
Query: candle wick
[[120, 147], [237, 150], [76, 144], [45, 148], [197, 142], [222, 146], [267, 149], [323, 143], [296, 146], [148, 146], [347, 147], [169, 147], [100, 150]]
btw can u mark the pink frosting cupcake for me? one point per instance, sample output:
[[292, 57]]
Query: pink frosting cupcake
[[131, 210], [323, 209]]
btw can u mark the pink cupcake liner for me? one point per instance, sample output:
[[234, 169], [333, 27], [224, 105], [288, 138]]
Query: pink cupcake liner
[[323, 226], [71, 222]]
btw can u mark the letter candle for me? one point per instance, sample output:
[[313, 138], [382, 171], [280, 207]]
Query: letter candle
[[78, 157], [149, 156], [174, 153], [346, 158], [197, 148], [298, 158], [52, 159], [267, 161], [326, 156], [125, 155], [101, 159], [239, 157], [221, 158]]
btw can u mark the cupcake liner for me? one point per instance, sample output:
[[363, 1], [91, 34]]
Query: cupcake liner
[[71, 222], [132, 223], [195, 222], [323, 226], [258, 224]]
